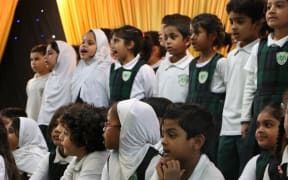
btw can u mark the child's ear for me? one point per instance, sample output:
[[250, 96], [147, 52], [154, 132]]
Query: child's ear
[[213, 36], [130, 45], [199, 141], [187, 41]]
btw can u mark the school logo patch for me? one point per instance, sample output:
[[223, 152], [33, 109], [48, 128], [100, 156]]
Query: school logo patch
[[202, 77], [126, 75], [281, 58], [183, 79]]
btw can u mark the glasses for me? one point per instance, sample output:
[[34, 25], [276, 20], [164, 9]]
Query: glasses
[[107, 124]]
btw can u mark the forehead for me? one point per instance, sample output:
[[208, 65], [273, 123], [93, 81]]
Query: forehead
[[265, 116], [170, 124], [89, 36], [276, 1], [168, 29], [35, 54], [236, 15]]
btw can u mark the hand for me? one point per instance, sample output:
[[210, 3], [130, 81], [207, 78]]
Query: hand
[[159, 169], [244, 129], [172, 170]]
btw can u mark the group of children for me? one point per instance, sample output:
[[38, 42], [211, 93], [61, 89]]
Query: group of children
[[238, 113]]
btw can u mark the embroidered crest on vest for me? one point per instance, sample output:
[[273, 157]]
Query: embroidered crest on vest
[[126, 75], [281, 58], [183, 79], [202, 77]]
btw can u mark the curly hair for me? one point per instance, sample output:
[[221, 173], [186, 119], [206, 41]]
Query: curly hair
[[85, 123]]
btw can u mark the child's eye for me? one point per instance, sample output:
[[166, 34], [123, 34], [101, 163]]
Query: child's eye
[[268, 124], [172, 135]]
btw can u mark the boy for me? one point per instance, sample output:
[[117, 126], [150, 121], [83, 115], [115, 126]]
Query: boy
[[35, 86], [172, 75], [245, 18], [187, 131]]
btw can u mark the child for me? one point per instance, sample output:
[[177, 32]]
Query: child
[[61, 59], [207, 71], [245, 18], [187, 130], [269, 135], [27, 143], [130, 132], [129, 76], [266, 68], [35, 86], [95, 60], [152, 51], [53, 164], [8, 168], [172, 74], [284, 161], [82, 137]]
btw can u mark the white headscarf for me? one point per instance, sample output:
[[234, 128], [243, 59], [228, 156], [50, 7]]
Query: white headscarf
[[84, 68], [139, 131], [57, 89], [32, 146]]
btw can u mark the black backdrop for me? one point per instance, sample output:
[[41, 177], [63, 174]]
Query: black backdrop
[[34, 22]]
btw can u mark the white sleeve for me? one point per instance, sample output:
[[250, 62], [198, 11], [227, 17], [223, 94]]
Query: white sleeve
[[218, 80], [144, 84], [2, 168], [250, 85], [249, 172], [41, 173]]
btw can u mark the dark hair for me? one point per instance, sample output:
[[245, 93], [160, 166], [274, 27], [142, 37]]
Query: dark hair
[[151, 38], [159, 105], [85, 123], [16, 125], [54, 46], [194, 120], [129, 34], [180, 22], [11, 112], [212, 24], [41, 48], [254, 9], [54, 120], [10, 165]]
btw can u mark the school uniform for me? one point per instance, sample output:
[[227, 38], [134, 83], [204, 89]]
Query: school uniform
[[87, 168], [132, 80], [52, 166], [173, 79], [57, 90], [139, 132], [34, 90], [93, 71], [205, 169], [207, 88], [3, 174], [31, 147], [266, 81], [230, 142]]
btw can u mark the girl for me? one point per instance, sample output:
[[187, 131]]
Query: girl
[[27, 143], [54, 164], [95, 60], [129, 76], [82, 137], [270, 137], [207, 71], [131, 130], [61, 59], [266, 67], [8, 168]]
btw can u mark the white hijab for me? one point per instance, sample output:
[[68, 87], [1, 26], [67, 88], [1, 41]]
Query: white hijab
[[31, 148], [84, 68], [139, 131], [57, 89]]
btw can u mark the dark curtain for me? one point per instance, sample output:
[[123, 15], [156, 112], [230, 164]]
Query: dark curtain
[[35, 22]]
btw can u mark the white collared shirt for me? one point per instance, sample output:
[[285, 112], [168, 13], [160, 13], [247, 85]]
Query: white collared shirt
[[144, 82], [235, 81], [173, 79]]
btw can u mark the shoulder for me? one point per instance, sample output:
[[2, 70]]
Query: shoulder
[[95, 161]]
